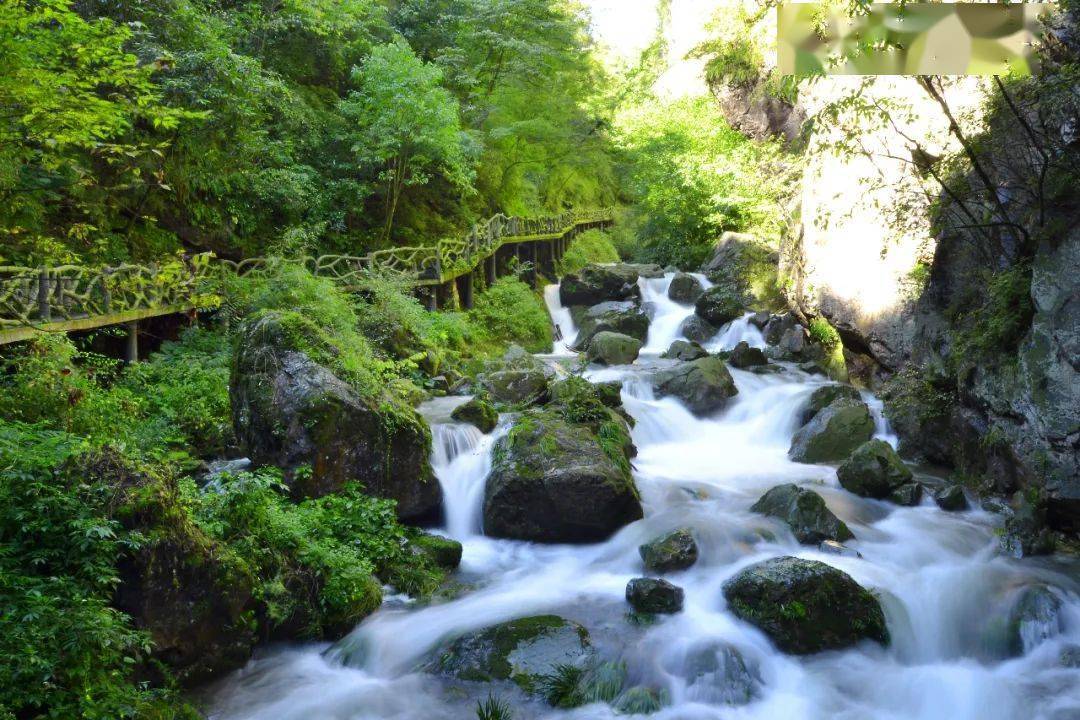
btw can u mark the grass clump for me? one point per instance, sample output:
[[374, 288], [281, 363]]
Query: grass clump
[[592, 246]]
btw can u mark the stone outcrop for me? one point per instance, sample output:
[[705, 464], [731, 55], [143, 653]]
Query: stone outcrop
[[292, 412]]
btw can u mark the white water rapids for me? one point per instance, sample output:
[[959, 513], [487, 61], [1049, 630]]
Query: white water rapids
[[945, 588]]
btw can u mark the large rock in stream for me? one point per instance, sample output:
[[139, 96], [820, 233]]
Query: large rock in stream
[[805, 512], [806, 606], [292, 412], [611, 348], [517, 379], [704, 385], [599, 283], [874, 470], [560, 482], [610, 317], [685, 288], [523, 651], [833, 433], [719, 305]]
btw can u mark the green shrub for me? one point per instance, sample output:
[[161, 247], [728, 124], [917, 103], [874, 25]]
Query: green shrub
[[510, 312], [822, 332], [592, 246], [1000, 319], [184, 389], [64, 652]]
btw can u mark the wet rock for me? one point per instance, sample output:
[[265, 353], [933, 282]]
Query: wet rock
[[516, 387], [649, 271], [760, 319], [685, 350], [443, 551], [1034, 619], [1026, 533], [748, 266], [696, 329], [874, 470], [833, 433], [1070, 656], [477, 412], [951, 498], [631, 321], [668, 553], [719, 305], [794, 342], [554, 481], [599, 283], [778, 325], [523, 651], [609, 348], [805, 512], [743, 356], [218, 468], [640, 701], [831, 547], [292, 412], [704, 385], [812, 367], [908, 495], [826, 395], [685, 288], [517, 379], [805, 606], [717, 674], [653, 595], [609, 393]]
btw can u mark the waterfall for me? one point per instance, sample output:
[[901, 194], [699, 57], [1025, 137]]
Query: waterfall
[[946, 592], [566, 331]]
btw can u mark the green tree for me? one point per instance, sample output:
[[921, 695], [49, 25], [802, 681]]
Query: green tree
[[407, 123]]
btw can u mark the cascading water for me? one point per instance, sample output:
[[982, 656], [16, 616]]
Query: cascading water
[[667, 317], [946, 591], [563, 321]]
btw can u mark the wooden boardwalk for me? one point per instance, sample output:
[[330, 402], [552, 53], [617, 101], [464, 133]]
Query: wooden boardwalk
[[71, 297]]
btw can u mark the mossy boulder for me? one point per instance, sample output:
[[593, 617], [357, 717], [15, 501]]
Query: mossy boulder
[[825, 396], [523, 651], [743, 356], [874, 470], [516, 387], [685, 350], [442, 551], [478, 412], [1034, 619], [909, 494], [557, 481], [184, 589], [806, 606], [704, 385], [833, 433], [697, 329], [627, 321], [673, 551], [610, 348], [292, 412], [747, 265], [951, 499], [805, 512], [653, 595], [685, 288], [719, 305], [599, 283]]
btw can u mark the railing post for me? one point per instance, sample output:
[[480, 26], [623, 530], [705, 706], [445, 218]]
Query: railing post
[[106, 294], [131, 352], [44, 310]]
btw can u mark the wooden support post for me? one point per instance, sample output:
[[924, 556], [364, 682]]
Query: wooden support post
[[490, 271], [445, 295], [531, 251], [431, 298], [44, 310], [465, 291], [131, 352]]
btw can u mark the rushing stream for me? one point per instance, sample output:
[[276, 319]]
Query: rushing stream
[[946, 590]]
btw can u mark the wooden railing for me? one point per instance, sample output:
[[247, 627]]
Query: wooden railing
[[72, 297]]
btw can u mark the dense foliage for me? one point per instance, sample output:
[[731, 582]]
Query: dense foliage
[[135, 128]]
